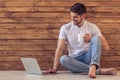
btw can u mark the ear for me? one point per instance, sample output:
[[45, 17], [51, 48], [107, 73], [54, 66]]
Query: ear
[[84, 15]]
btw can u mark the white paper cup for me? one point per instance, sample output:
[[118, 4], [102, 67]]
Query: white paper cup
[[80, 36]]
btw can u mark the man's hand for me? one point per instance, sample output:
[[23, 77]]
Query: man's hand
[[87, 37], [51, 71]]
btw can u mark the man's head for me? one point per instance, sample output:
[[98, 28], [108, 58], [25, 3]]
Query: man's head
[[78, 12]]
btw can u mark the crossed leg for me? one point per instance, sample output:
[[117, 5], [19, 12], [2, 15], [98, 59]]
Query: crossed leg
[[102, 71], [90, 63]]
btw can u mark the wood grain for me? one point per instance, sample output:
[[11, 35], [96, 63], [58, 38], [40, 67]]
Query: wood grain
[[30, 28]]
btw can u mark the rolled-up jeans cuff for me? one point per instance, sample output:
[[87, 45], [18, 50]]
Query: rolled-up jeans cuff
[[98, 71], [98, 65]]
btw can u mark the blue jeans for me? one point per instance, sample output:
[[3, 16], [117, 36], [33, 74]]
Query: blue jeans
[[82, 63]]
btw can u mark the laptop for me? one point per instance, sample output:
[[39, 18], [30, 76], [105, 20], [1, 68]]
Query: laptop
[[31, 66]]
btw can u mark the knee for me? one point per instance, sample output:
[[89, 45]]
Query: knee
[[96, 38], [64, 59]]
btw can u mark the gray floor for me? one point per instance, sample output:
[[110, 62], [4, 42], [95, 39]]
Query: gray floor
[[21, 75]]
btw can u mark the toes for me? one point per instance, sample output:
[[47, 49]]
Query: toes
[[92, 76], [114, 72]]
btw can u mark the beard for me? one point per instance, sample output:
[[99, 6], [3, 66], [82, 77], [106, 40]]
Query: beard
[[77, 22]]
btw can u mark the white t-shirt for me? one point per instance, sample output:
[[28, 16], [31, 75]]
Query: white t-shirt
[[71, 33]]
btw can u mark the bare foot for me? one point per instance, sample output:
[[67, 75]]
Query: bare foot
[[109, 71], [92, 71]]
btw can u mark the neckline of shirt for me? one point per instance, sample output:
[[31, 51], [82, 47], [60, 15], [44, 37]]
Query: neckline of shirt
[[77, 26]]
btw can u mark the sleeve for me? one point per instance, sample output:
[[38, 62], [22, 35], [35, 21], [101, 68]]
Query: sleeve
[[62, 33], [96, 30]]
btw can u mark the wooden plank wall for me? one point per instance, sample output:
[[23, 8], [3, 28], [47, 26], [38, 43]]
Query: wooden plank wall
[[29, 28]]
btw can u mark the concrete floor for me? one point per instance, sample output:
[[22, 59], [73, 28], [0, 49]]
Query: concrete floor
[[22, 75]]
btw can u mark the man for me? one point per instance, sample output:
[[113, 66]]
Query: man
[[84, 42]]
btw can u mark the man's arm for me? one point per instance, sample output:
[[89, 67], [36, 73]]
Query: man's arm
[[104, 44], [58, 53]]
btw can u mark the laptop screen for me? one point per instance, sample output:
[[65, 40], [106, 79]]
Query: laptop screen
[[31, 65]]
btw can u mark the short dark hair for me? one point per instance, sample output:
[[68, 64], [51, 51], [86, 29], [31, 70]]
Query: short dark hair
[[78, 8]]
